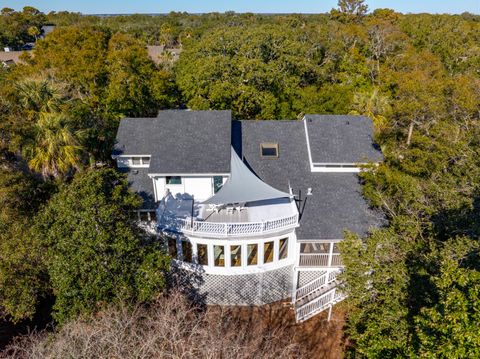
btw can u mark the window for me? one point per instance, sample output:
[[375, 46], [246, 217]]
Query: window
[[269, 150], [283, 250], [140, 161], [172, 247], [268, 252], [136, 161], [236, 256], [252, 252], [217, 183], [174, 180], [187, 251], [219, 256], [202, 254]]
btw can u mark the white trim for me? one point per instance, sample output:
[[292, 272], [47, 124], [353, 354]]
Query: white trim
[[154, 189], [127, 156], [339, 164], [130, 161], [319, 240], [337, 169], [187, 174], [260, 267], [308, 144]]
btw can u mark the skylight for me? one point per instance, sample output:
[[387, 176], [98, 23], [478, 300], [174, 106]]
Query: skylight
[[269, 150]]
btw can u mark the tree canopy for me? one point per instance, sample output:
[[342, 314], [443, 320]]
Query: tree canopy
[[412, 285], [97, 253]]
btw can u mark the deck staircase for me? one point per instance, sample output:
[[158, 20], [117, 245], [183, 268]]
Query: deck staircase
[[317, 295]]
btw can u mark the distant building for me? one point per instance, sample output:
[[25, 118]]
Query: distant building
[[10, 58], [45, 30], [7, 63], [254, 209], [160, 54]]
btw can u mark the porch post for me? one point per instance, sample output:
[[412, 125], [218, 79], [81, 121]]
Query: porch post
[[330, 254]]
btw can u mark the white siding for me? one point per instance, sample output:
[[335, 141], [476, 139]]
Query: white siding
[[201, 187], [159, 187]]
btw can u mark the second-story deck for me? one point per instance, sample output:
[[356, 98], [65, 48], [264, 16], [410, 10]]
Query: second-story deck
[[241, 220]]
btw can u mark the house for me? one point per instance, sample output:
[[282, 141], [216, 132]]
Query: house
[[10, 58], [255, 209], [7, 63], [159, 54], [45, 30]]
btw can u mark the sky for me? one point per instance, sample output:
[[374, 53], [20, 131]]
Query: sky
[[258, 6]]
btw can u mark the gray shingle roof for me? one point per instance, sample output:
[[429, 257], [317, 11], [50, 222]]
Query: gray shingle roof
[[199, 142], [141, 184], [341, 139], [336, 204], [179, 141]]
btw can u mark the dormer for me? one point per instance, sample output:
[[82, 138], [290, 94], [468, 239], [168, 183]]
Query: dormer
[[133, 161], [340, 143]]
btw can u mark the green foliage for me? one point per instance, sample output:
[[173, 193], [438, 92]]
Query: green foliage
[[449, 328], [56, 149], [415, 75], [20, 27], [376, 279], [134, 85], [23, 279], [259, 72], [349, 10], [96, 253]]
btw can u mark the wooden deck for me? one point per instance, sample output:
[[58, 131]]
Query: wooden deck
[[223, 216]]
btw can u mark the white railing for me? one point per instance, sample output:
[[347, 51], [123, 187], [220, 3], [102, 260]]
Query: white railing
[[311, 287], [320, 260], [323, 280], [196, 227], [319, 304]]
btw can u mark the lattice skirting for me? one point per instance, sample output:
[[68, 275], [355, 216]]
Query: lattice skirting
[[245, 289], [305, 277]]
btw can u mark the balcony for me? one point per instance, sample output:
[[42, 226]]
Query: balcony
[[251, 219], [316, 254]]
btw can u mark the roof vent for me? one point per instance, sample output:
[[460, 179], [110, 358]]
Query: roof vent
[[309, 191]]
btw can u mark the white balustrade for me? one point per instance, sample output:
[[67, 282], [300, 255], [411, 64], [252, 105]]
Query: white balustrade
[[231, 229], [319, 304], [319, 260], [323, 280]]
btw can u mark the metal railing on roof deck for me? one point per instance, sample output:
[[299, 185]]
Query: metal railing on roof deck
[[214, 229]]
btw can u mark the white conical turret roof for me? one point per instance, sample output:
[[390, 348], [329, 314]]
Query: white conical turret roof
[[244, 186]]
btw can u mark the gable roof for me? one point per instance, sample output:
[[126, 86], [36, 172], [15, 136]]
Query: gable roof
[[336, 203], [179, 141], [341, 139]]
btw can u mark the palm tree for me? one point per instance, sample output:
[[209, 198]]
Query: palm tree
[[372, 104], [38, 96], [56, 149]]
